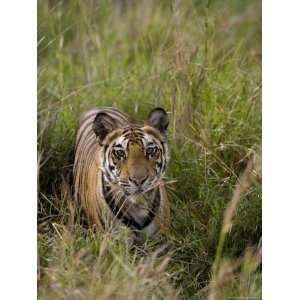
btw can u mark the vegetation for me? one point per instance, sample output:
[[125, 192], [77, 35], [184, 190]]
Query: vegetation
[[201, 61]]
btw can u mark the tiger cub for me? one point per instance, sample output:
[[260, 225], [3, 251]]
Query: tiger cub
[[119, 168]]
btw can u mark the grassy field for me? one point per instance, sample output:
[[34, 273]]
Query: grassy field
[[201, 61]]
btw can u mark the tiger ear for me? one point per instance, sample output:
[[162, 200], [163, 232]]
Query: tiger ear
[[103, 125], [158, 119]]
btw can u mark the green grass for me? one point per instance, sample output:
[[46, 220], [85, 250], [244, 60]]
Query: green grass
[[199, 60]]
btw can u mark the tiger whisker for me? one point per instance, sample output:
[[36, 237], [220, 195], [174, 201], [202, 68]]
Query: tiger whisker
[[170, 182], [157, 184]]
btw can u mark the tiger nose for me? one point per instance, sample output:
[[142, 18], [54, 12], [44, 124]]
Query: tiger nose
[[138, 180]]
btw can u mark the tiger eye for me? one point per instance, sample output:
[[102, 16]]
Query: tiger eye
[[120, 154], [151, 151]]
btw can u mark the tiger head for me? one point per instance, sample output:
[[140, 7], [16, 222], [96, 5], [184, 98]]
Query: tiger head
[[134, 157]]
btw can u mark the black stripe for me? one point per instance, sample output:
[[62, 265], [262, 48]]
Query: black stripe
[[84, 128], [124, 216]]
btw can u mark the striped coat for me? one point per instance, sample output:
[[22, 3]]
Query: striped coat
[[105, 202]]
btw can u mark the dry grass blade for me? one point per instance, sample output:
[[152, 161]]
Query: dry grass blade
[[220, 270]]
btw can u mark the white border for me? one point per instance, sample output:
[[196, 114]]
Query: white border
[[18, 210], [281, 149]]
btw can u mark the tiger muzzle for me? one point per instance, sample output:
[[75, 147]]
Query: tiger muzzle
[[138, 180]]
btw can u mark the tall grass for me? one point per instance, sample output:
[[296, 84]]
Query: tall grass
[[200, 60]]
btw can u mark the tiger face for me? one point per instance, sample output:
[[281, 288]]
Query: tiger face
[[133, 158]]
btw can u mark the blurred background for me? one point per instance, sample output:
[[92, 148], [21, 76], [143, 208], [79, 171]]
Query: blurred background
[[201, 61]]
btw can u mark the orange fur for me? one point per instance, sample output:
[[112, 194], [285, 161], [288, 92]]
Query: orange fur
[[87, 170]]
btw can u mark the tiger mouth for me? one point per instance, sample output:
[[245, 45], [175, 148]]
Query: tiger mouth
[[137, 191], [127, 189], [131, 190]]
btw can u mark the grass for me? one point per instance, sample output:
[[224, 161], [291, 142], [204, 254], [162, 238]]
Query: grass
[[201, 61]]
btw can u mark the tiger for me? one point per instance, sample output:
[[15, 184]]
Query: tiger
[[118, 170]]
